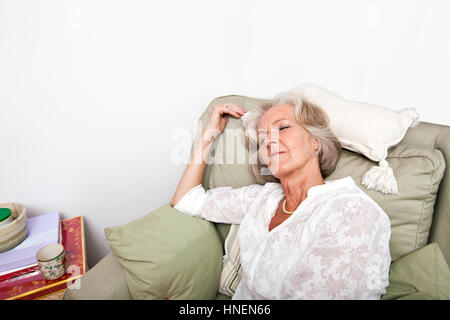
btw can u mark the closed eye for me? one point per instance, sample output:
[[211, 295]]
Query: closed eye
[[262, 141]]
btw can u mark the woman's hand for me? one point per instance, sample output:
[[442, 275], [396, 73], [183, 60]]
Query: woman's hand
[[193, 175], [218, 119]]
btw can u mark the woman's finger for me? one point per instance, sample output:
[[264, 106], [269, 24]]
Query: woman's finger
[[232, 112], [235, 108]]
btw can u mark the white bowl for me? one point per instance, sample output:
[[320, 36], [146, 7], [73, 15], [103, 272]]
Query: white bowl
[[16, 231]]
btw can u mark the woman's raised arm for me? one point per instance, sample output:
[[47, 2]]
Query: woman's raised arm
[[193, 174]]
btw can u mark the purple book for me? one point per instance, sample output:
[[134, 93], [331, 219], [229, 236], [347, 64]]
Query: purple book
[[42, 230]]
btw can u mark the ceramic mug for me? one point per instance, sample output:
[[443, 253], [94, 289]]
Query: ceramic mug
[[52, 261]]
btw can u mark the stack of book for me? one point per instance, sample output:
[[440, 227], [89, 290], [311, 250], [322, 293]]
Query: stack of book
[[21, 260]]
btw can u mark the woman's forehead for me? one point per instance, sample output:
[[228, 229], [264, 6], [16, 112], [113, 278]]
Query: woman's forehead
[[275, 114]]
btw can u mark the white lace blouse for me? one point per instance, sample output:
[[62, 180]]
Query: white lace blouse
[[334, 246]]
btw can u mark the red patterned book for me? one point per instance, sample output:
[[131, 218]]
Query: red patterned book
[[19, 272], [33, 286]]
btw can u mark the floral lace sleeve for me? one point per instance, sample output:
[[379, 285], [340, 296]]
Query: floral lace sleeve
[[222, 204], [349, 257]]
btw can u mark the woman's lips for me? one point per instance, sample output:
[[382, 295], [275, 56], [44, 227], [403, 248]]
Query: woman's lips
[[277, 153]]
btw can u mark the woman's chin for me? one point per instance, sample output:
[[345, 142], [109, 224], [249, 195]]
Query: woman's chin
[[278, 172]]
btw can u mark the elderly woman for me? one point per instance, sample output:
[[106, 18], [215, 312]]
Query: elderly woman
[[300, 237]]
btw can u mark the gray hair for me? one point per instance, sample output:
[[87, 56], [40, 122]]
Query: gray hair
[[311, 117]]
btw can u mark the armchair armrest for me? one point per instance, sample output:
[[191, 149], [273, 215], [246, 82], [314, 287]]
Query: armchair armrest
[[105, 281]]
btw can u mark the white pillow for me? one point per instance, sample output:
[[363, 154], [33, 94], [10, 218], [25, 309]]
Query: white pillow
[[364, 128]]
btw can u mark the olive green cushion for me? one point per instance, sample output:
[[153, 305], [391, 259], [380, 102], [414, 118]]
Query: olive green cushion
[[422, 274], [168, 254], [418, 172]]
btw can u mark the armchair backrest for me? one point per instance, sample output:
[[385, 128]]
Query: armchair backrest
[[435, 136]]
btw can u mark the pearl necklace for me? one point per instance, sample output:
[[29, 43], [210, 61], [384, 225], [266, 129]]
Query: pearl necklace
[[284, 208]]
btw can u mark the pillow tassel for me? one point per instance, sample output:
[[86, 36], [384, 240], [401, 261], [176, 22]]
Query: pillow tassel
[[380, 178]]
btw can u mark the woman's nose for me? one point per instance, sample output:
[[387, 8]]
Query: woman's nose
[[272, 146], [271, 138]]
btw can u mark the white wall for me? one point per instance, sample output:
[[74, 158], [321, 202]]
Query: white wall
[[91, 91]]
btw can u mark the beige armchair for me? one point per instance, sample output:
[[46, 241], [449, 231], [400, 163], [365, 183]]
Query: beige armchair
[[107, 279]]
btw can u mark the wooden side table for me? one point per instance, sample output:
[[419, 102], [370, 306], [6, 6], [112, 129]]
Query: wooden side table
[[33, 286], [53, 296]]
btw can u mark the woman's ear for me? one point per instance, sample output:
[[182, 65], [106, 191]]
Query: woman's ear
[[316, 145]]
